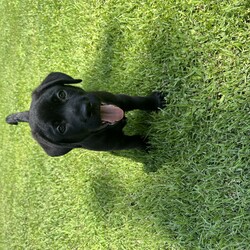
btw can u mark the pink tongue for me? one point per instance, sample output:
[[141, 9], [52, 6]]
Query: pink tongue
[[111, 113]]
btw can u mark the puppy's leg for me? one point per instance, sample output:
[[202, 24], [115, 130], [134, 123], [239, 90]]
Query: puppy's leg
[[153, 102], [130, 142]]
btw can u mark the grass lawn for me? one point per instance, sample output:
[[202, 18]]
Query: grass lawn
[[192, 191]]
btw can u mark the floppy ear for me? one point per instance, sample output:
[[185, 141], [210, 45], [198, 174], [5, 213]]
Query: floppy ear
[[50, 148], [55, 78], [18, 117]]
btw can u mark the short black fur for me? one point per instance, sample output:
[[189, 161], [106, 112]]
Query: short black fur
[[63, 117]]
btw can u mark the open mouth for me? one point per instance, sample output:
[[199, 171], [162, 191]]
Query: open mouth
[[110, 114]]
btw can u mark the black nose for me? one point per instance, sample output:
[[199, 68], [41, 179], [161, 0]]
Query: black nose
[[86, 108]]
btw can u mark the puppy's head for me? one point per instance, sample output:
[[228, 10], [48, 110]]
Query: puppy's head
[[60, 115]]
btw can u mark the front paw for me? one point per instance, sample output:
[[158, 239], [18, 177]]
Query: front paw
[[159, 98]]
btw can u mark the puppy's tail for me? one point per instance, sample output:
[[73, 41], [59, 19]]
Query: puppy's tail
[[13, 119]]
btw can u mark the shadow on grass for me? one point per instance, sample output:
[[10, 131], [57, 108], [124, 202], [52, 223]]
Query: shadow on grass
[[199, 143]]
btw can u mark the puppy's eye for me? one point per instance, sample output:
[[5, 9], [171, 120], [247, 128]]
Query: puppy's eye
[[62, 94], [61, 128]]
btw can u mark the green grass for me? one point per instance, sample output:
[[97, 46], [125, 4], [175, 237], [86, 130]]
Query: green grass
[[192, 191]]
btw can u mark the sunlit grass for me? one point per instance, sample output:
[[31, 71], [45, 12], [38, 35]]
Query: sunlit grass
[[192, 190]]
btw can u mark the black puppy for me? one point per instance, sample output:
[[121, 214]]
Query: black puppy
[[63, 117]]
